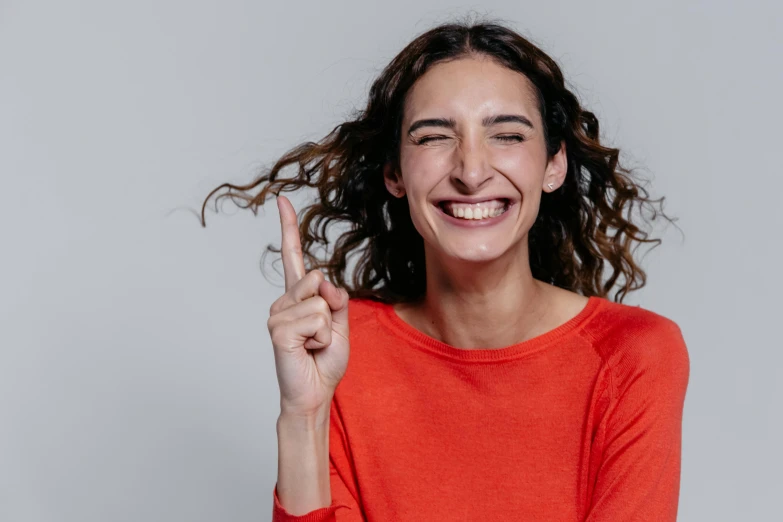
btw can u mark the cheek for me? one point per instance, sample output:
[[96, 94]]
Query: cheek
[[420, 222], [421, 174], [530, 205], [525, 169], [423, 168], [521, 166]]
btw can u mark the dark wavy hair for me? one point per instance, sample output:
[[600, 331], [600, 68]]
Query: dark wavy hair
[[581, 228]]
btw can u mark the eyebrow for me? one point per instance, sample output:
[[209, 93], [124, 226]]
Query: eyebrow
[[450, 123]]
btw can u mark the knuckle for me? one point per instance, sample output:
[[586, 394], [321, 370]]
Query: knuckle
[[317, 276], [271, 323], [323, 306], [322, 321], [281, 337]]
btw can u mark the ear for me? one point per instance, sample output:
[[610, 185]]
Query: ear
[[393, 181], [556, 169]]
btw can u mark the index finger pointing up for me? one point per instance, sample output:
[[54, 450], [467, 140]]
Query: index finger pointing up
[[291, 247]]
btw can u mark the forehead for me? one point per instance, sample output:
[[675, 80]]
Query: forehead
[[475, 86]]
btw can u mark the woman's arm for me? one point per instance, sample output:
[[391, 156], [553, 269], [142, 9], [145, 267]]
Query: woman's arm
[[639, 475], [314, 479], [303, 463]]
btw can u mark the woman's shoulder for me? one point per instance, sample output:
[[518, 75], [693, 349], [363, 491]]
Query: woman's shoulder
[[363, 311], [631, 338], [622, 321]]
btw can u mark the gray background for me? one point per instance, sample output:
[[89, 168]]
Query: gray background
[[136, 374]]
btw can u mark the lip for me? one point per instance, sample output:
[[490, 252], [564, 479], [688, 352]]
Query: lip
[[471, 223], [463, 199]]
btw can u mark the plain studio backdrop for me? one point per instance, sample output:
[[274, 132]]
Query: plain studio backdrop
[[137, 379]]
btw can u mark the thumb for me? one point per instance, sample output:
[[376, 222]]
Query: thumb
[[337, 298]]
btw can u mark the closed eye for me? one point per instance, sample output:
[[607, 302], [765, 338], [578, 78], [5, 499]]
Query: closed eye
[[425, 139], [512, 138]]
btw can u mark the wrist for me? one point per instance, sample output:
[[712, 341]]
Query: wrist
[[294, 423], [310, 419]]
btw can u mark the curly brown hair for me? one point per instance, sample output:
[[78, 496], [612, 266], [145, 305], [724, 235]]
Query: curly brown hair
[[580, 228]]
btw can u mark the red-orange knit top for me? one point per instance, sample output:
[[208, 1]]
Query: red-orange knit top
[[582, 423]]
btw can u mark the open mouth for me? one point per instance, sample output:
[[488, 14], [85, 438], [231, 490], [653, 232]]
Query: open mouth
[[475, 211]]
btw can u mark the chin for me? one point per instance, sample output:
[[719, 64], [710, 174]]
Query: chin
[[472, 253]]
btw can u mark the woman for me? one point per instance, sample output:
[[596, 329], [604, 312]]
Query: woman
[[490, 377]]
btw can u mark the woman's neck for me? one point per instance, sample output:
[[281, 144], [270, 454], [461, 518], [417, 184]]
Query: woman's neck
[[490, 305]]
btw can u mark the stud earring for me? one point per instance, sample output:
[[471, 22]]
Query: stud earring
[[397, 192], [550, 186]]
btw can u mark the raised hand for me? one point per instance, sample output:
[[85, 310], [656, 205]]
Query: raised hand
[[308, 325]]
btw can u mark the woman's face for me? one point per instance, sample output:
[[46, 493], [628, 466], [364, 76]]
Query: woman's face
[[473, 159]]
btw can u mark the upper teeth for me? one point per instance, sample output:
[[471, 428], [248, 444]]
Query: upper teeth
[[482, 210]]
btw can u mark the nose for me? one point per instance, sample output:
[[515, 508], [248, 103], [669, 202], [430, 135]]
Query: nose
[[472, 170]]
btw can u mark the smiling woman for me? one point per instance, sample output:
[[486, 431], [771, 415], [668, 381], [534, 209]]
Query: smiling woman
[[491, 377], [489, 154]]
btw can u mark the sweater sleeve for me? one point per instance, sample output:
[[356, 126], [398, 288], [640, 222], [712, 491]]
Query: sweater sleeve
[[639, 474], [345, 506]]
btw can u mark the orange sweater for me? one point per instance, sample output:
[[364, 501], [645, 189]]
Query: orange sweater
[[582, 423]]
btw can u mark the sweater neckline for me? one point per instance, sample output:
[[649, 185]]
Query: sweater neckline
[[397, 325]]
